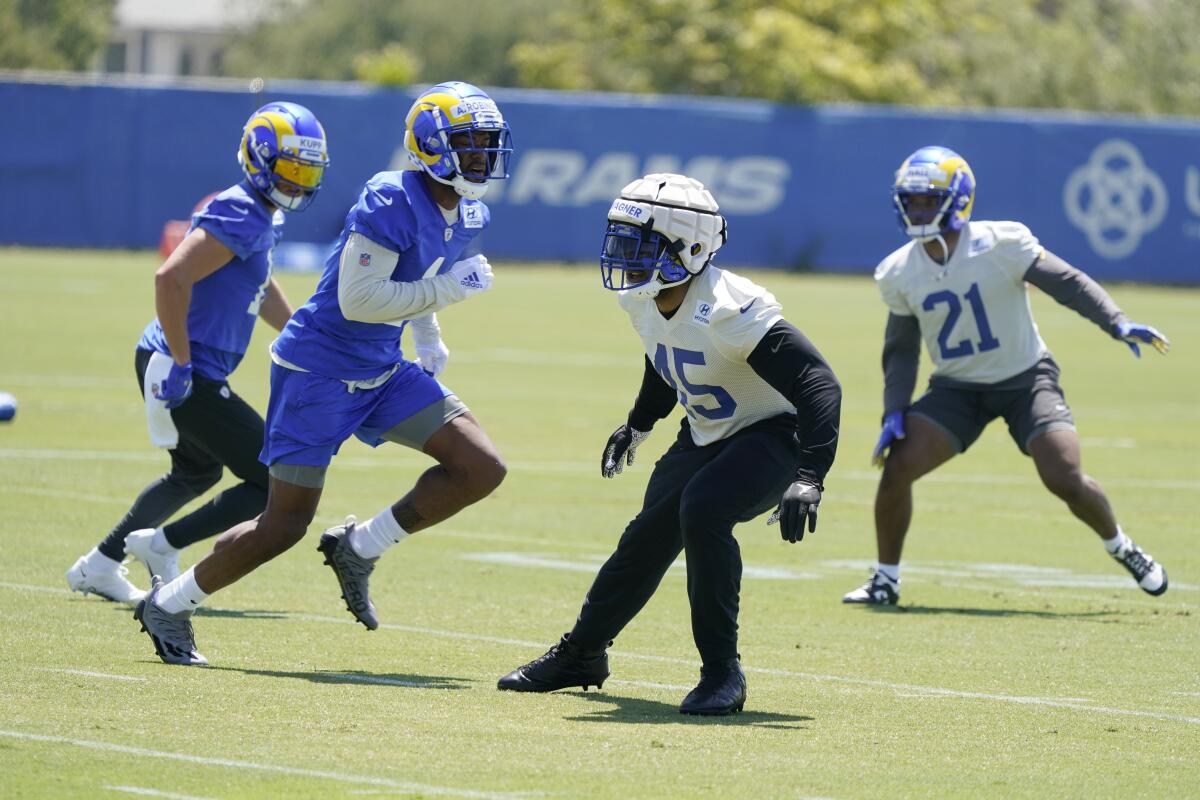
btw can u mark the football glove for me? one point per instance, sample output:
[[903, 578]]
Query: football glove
[[471, 276], [432, 353], [1131, 333], [893, 429], [799, 503], [620, 450], [176, 387]]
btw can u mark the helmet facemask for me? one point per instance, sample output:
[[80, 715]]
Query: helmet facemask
[[662, 230], [443, 138], [284, 155]]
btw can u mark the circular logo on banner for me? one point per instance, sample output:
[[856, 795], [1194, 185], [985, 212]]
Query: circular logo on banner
[[1115, 199]]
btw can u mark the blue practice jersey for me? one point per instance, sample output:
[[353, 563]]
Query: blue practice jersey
[[395, 211], [225, 304]]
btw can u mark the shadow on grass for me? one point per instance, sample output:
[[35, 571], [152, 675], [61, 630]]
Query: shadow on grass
[[640, 711], [1095, 616], [359, 678]]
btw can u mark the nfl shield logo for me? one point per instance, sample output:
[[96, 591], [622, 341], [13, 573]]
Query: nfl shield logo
[[364, 259]]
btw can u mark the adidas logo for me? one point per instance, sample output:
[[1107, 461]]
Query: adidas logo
[[471, 281]]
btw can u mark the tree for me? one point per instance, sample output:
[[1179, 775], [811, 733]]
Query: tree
[[53, 34]]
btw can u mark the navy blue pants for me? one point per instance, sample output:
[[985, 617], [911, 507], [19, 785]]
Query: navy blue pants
[[694, 498]]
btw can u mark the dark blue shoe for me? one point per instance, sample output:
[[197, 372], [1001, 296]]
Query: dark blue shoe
[[721, 691]]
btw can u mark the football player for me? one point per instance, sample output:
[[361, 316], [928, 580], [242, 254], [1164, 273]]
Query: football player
[[208, 294], [409, 248], [760, 430], [960, 286]]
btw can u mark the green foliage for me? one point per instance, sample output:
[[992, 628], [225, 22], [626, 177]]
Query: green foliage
[[1102, 55], [386, 41], [52, 34]]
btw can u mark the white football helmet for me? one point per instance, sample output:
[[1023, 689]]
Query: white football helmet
[[662, 230]]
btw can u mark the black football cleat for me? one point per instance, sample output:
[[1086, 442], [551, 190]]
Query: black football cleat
[[564, 666], [352, 571], [721, 691]]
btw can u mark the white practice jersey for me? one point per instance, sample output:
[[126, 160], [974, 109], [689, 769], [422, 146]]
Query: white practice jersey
[[973, 312], [701, 352]]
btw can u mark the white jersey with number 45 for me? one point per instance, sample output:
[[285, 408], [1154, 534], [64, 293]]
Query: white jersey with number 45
[[974, 311], [701, 352]]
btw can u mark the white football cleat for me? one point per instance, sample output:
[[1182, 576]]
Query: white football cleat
[[140, 545], [879, 591], [1148, 573], [110, 583]]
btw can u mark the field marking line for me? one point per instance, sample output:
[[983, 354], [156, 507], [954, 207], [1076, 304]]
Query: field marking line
[[554, 467], [89, 674], [809, 676], [142, 790], [233, 763]]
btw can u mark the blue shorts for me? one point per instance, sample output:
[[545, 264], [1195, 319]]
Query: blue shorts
[[309, 416]]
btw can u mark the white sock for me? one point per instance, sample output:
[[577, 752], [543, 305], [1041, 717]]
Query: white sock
[[1117, 543], [98, 562], [889, 571], [159, 543], [181, 594], [377, 534]]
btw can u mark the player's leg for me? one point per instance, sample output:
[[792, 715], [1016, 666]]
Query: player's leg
[[166, 611], [192, 473], [231, 433], [747, 476], [308, 417], [1042, 425], [624, 584], [414, 410], [941, 424]]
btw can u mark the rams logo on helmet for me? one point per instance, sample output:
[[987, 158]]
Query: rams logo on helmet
[[283, 154]]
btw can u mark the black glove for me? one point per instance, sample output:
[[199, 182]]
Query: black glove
[[799, 502], [620, 450]]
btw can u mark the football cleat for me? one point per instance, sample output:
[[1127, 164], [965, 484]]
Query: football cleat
[[172, 634], [140, 545], [1148, 573], [563, 666], [111, 584], [721, 691], [879, 591], [352, 571]]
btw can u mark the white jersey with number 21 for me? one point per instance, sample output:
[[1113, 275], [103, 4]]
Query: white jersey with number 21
[[974, 311], [701, 352]]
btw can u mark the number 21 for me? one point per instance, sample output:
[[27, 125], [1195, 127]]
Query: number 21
[[963, 348]]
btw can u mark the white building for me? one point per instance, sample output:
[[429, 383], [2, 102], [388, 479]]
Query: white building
[[174, 37]]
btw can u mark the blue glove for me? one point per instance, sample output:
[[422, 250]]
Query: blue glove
[[1132, 333], [176, 387], [893, 429]]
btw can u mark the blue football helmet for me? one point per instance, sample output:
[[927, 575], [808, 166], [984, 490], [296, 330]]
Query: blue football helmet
[[283, 154], [662, 230], [934, 172], [441, 137]]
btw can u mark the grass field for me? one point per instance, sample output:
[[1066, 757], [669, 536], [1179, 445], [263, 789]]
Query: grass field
[[1022, 662]]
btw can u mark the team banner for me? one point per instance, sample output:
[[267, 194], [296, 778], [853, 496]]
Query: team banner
[[802, 187]]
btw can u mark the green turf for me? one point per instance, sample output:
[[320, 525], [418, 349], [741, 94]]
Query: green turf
[[1022, 663]]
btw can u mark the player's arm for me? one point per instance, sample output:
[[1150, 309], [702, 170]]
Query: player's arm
[[367, 293], [1077, 291], [655, 399], [789, 362], [199, 255], [275, 309], [901, 360]]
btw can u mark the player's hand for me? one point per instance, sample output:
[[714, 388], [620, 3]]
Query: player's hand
[[799, 503], [893, 429], [620, 450], [1131, 333], [473, 275], [432, 353], [176, 387]]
